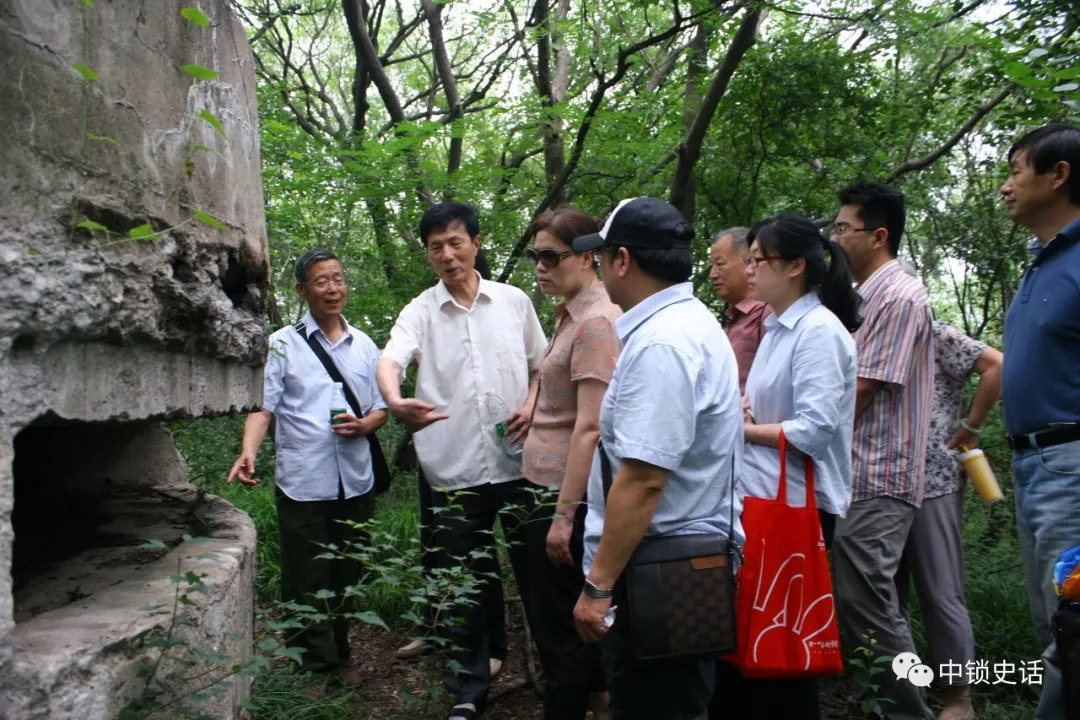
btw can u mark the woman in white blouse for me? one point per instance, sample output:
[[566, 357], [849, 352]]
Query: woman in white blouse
[[802, 381]]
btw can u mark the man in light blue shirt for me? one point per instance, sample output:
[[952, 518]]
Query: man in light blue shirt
[[324, 472], [671, 424]]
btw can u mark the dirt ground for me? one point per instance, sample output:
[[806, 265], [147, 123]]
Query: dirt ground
[[387, 681]]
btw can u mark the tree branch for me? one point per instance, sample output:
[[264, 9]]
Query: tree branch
[[449, 83], [690, 149], [927, 160], [604, 84]]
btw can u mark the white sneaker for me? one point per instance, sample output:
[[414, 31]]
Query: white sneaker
[[413, 650], [495, 665]]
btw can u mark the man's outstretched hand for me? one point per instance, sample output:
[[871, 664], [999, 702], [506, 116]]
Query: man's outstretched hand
[[244, 469], [416, 414]]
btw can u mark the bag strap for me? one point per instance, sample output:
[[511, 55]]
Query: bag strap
[[331, 368], [808, 465]]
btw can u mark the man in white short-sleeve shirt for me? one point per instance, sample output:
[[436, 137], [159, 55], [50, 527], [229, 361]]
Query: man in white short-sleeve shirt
[[477, 343]]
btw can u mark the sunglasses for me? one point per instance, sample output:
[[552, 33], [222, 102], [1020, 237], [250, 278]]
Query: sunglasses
[[550, 258]]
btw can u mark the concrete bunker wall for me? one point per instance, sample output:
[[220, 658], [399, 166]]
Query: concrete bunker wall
[[106, 331]]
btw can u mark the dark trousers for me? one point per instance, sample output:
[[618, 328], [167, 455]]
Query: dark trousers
[[572, 667], [464, 534], [739, 697], [653, 689], [303, 527], [494, 600]]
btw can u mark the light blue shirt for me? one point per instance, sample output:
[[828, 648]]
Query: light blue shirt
[[299, 391], [804, 377], [673, 402]]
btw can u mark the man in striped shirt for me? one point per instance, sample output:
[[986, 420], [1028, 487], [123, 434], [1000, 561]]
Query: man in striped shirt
[[894, 398]]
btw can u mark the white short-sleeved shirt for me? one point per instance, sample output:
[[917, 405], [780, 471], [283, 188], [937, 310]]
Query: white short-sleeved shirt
[[300, 393], [804, 377], [673, 402], [467, 354]]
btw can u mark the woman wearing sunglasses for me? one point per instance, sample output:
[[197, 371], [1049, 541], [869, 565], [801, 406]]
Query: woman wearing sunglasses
[[802, 381], [574, 375]]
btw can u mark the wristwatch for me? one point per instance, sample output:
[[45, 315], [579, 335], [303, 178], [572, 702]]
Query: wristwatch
[[592, 591]]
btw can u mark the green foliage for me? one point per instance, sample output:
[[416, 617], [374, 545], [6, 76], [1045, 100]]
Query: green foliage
[[199, 72], [86, 72], [212, 119], [196, 16]]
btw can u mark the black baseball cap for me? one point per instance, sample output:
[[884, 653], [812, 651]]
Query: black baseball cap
[[644, 222]]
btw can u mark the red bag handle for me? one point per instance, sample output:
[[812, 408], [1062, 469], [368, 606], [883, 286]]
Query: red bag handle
[[808, 464]]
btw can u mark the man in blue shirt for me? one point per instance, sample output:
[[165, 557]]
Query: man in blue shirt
[[670, 423], [1041, 378], [324, 472]]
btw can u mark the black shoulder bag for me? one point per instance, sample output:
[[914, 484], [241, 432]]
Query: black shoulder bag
[[679, 590], [378, 460]]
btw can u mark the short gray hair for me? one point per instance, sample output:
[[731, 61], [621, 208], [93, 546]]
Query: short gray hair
[[738, 238], [310, 258]]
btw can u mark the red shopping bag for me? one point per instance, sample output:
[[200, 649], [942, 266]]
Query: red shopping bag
[[784, 610]]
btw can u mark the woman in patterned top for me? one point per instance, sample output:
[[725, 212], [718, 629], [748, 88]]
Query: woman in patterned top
[[559, 450]]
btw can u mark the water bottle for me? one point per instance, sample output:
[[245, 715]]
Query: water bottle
[[338, 404], [498, 412]]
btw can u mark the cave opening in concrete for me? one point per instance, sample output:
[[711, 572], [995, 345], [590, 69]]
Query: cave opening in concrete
[[88, 496]]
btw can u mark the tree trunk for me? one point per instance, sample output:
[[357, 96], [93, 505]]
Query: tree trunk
[[690, 150]]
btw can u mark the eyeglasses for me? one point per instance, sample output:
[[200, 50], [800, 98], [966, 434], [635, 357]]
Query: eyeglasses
[[323, 283], [550, 258], [842, 228], [753, 262]]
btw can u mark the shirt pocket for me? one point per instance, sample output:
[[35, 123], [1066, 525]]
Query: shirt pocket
[[509, 346]]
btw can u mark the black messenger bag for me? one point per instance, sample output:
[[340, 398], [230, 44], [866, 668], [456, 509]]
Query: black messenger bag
[[679, 590]]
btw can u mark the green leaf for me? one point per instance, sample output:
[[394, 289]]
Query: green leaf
[[144, 230], [212, 119], [91, 225], [1067, 73], [208, 219], [112, 141], [86, 72], [87, 3], [293, 653], [1067, 87], [1016, 69], [195, 15], [1037, 53], [268, 644], [200, 72], [368, 617]]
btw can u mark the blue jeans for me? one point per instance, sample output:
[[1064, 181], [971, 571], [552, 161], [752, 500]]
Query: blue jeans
[[1047, 484]]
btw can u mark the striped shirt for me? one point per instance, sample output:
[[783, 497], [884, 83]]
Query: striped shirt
[[896, 347]]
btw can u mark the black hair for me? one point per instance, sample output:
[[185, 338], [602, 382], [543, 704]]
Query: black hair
[[440, 216], [310, 258], [1050, 144], [792, 237], [671, 265], [481, 264], [880, 206]]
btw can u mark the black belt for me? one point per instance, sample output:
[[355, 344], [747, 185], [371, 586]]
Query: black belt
[[1045, 438]]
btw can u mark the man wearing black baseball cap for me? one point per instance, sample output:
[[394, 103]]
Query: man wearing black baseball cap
[[670, 424]]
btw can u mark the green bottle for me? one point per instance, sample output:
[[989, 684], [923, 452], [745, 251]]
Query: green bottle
[[338, 405]]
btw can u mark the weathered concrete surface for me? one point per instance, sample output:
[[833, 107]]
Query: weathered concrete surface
[[80, 606], [98, 327]]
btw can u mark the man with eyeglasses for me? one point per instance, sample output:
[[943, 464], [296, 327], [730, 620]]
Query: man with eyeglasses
[[324, 471], [893, 404], [477, 343], [744, 317]]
